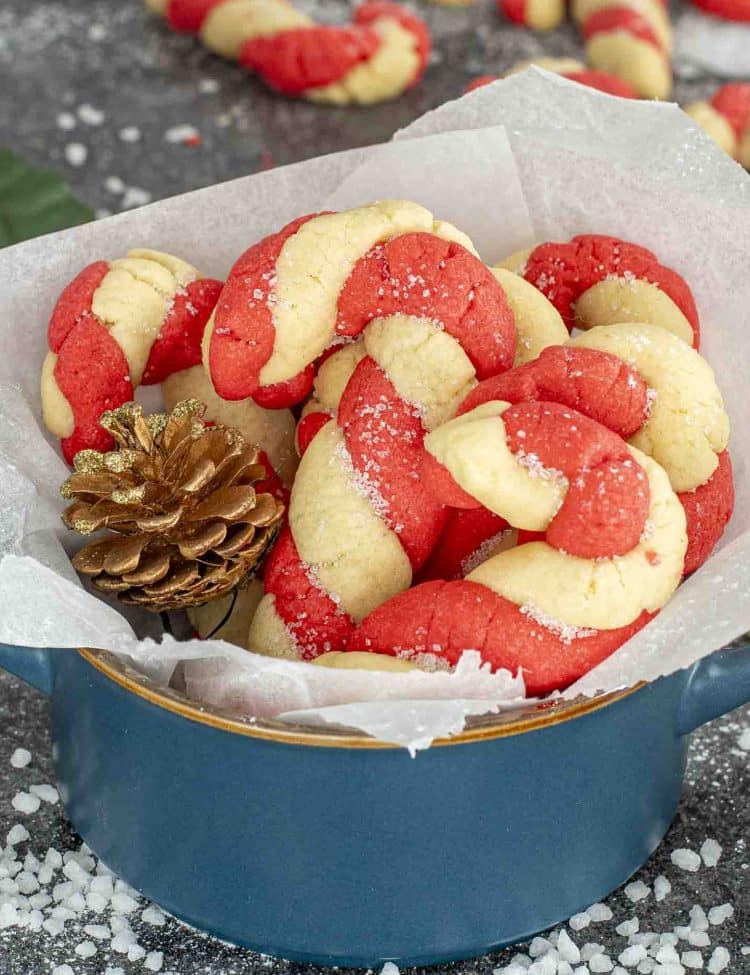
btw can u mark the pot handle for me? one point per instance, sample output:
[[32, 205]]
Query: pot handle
[[716, 684], [32, 665]]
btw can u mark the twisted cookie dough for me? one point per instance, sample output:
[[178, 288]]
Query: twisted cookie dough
[[379, 56]]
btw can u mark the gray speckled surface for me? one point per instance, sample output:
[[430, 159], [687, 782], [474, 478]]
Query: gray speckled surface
[[57, 56]]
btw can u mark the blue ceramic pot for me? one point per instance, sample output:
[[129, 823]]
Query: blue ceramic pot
[[337, 849]]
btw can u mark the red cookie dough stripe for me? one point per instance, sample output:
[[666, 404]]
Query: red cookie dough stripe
[[461, 542], [563, 272], [188, 15], [610, 84], [271, 483], [308, 427], [733, 102], [443, 619], [384, 436], [708, 510], [243, 336], [178, 345], [595, 383], [74, 303], [313, 619], [514, 10], [621, 19], [308, 57], [738, 10], [421, 275], [92, 374]]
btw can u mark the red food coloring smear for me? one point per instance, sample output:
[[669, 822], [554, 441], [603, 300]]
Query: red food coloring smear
[[178, 345], [480, 82], [188, 15], [308, 428], [422, 275], [610, 84], [620, 19], [193, 140], [74, 303], [597, 384], [708, 509], [384, 436], [243, 336], [653, 558], [563, 272], [514, 10], [446, 618], [465, 532], [314, 620], [733, 102], [93, 375]]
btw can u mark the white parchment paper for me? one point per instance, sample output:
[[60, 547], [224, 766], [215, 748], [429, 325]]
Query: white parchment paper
[[530, 158], [713, 45]]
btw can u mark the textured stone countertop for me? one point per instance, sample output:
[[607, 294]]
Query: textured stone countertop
[[103, 93]]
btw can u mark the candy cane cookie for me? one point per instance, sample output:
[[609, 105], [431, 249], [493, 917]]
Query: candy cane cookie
[[726, 118], [631, 39], [139, 320], [598, 280], [433, 320], [737, 10], [612, 555], [536, 14], [379, 56]]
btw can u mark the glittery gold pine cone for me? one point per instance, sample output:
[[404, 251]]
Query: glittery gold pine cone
[[177, 498]]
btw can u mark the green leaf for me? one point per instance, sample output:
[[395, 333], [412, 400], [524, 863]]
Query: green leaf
[[34, 201]]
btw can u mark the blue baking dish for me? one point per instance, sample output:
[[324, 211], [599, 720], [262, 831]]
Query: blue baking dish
[[334, 848]]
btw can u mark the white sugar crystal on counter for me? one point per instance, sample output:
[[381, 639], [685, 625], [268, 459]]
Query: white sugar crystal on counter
[[62, 970], [86, 949], [152, 915], [97, 931], [669, 938], [539, 946], [719, 960], [698, 918], [686, 860], [646, 938], [66, 121], [96, 902], [692, 959], [628, 927], [581, 970], [122, 942], [720, 914], [114, 970], [599, 912], [632, 955], [8, 915], [637, 891], [568, 949], [546, 965], [53, 859], [744, 740], [511, 969], [20, 758], [24, 802], [564, 967], [27, 882], [600, 963], [710, 852], [17, 834], [47, 793], [579, 921], [123, 903], [699, 939], [662, 888], [590, 949], [181, 133], [389, 969], [130, 133], [646, 966], [76, 153], [520, 959], [666, 955], [90, 115], [154, 961], [669, 968], [136, 952]]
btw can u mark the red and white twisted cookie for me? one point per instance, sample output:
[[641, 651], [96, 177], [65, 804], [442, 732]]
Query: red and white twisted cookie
[[629, 38], [139, 320], [610, 84], [379, 56], [598, 280], [433, 319], [612, 555], [536, 14], [726, 118], [649, 387]]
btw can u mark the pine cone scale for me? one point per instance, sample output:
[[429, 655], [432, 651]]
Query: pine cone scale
[[180, 500]]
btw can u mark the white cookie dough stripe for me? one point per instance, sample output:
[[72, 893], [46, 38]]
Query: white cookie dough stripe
[[688, 425], [538, 322], [637, 61], [314, 265], [229, 25], [339, 531], [601, 594], [651, 10], [474, 449]]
